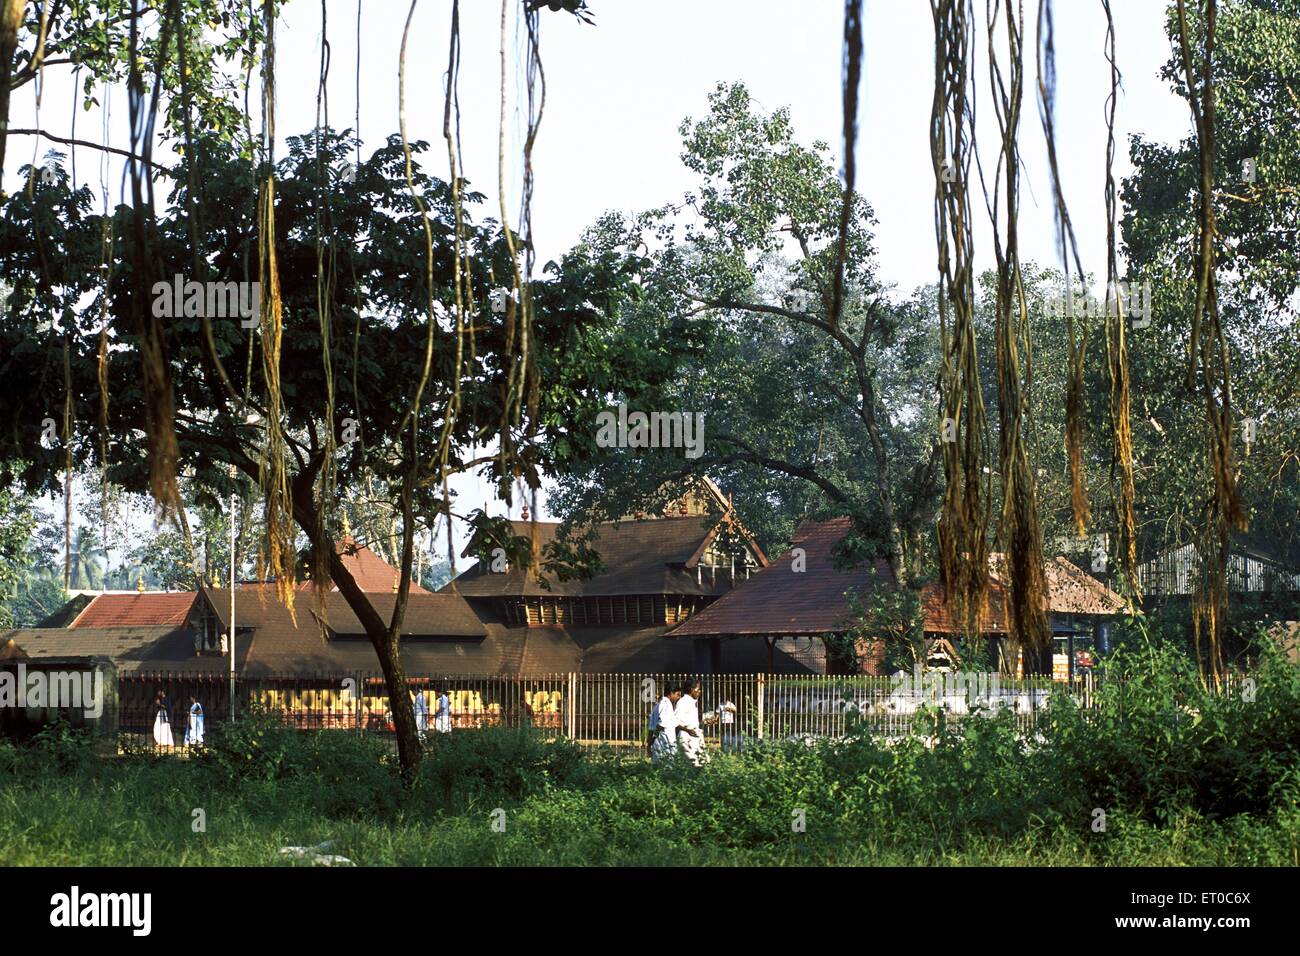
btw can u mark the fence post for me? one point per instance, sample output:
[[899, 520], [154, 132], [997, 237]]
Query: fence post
[[573, 705], [762, 678]]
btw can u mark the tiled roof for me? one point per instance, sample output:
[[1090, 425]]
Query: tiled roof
[[941, 619], [782, 600], [654, 556], [441, 634], [307, 651], [1071, 590], [130, 648], [427, 615], [141, 609], [370, 571], [778, 600]]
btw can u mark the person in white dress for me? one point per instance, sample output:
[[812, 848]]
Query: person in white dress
[[689, 736], [421, 713], [727, 722], [662, 740], [442, 717], [194, 727], [162, 722]]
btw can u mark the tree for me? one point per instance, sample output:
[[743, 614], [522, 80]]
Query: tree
[[375, 352], [1256, 203], [743, 334]]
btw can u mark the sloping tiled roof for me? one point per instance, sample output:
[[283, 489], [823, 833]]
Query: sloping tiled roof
[[10, 651], [941, 619], [427, 615], [441, 634], [781, 600], [655, 556], [371, 572], [778, 600], [1071, 590], [307, 651], [130, 648], [141, 609]]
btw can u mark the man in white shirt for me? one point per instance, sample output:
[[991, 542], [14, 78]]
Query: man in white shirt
[[662, 741], [727, 719], [421, 713], [689, 736], [442, 716]]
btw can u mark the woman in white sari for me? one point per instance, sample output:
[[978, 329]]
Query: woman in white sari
[[662, 739], [194, 729], [162, 722], [689, 736], [442, 717]]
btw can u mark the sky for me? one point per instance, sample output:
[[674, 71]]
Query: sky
[[617, 92]]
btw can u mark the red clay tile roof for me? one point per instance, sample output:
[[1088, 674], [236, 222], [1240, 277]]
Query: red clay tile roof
[[654, 556], [780, 600], [371, 572], [142, 609], [1071, 590], [939, 619]]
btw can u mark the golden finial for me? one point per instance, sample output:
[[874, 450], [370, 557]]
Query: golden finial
[[139, 585]]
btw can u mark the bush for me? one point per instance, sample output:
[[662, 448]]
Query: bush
[[61, 746], [497, 763]]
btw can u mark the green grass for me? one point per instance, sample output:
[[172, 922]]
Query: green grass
[[1184, 778], [129, 814]]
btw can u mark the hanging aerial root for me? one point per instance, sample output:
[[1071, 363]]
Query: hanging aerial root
[[963, 519], [274, 468], [1209, 355], [1019, 525], [1068, 248], [1117, 360]]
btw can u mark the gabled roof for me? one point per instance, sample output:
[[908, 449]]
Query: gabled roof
[[651, 556], [781, 600], [138, 609], [1071, 590], [427, 615], [371, 572], [130, 648]]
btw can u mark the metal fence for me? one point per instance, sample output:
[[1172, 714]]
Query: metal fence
[[592, 709]]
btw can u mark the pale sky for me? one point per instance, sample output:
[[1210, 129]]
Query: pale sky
[[617, 92]]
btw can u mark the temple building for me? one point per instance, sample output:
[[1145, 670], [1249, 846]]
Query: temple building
[[657, 572], [802, 602]]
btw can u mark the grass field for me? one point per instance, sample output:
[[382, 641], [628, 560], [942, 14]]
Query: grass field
[[1178, 776]]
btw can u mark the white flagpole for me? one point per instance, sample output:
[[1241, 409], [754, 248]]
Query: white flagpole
[[232, 597]]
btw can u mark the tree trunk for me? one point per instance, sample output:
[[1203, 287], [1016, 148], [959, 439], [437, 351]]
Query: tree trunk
[[384, 639], [383, 636], [13, 12]]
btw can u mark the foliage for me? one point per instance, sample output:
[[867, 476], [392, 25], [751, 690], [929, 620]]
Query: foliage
[[802, 418], [1183, 777]]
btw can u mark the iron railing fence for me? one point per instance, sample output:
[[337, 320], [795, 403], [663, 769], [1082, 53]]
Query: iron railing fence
[[591, 709]]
